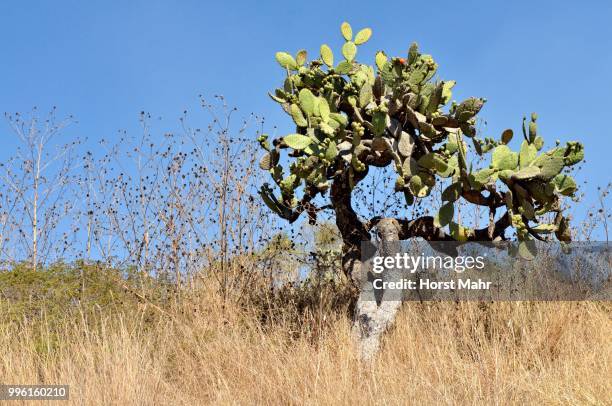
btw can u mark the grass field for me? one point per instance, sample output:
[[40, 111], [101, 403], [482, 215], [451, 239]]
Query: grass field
[[207, 352]]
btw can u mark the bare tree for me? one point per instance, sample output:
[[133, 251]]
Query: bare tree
[[178, 204], [37, 196]]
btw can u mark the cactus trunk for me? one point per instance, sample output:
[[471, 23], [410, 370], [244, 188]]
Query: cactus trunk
[[373, 318]]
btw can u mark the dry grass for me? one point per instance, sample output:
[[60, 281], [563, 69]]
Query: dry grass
[[445, 353]]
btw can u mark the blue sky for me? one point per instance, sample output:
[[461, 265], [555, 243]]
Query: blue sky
[[105, 61]]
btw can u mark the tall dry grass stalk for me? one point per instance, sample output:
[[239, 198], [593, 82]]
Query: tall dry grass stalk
[[208, 351]]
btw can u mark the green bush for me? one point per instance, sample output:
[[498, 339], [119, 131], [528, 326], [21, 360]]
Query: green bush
[[61, 289]]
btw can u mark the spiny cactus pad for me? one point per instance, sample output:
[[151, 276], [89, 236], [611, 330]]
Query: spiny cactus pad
[[352, 115]]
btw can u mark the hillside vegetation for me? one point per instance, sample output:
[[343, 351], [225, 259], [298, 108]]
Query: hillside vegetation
[[150, 272], [207, 350]]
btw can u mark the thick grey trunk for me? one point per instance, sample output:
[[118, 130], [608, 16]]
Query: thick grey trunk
[[374, 317], [372, 320]]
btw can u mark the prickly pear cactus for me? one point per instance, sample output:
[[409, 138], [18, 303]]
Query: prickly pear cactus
[[349, 116]]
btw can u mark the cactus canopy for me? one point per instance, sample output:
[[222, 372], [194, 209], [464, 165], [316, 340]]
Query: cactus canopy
[[350, 116]]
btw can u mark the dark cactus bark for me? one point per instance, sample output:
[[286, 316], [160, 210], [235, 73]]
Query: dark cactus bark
[[352, 229]]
